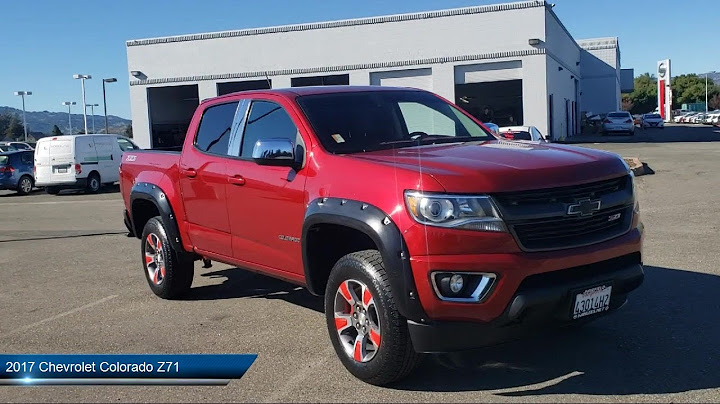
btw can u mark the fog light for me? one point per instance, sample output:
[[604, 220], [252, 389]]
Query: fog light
[[470, 287], [456, 283]]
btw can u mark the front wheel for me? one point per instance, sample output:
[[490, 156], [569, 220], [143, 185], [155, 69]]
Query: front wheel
[[369, 334], [168, 272]]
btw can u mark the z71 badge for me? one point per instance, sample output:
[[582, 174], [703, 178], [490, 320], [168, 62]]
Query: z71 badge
[[130, 157]]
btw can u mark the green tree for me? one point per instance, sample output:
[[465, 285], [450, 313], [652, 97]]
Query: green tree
[[14, 130], [715, 100], [4, 122], [56, 131], [128, 131], [643, 99], [690, 88]]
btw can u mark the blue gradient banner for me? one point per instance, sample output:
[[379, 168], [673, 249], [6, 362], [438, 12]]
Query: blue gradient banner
[[123, 369]]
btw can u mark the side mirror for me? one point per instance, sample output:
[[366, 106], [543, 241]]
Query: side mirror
[[274, 152]]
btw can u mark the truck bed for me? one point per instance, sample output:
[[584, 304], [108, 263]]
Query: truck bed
[[147, 166]]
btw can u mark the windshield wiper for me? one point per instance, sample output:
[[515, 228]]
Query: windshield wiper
[[425, 139]]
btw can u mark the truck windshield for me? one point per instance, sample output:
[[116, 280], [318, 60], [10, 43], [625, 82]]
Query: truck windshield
[[362, 121]]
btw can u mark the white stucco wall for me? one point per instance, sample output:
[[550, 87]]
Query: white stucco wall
[[443, 42], [600, 65]]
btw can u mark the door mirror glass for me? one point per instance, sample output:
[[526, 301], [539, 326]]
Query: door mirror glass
[[274, 152]]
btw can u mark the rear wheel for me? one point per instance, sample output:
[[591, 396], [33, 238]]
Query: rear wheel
[[25, 185], [168, 272], [52, 190], [93, 183], [368, 333]]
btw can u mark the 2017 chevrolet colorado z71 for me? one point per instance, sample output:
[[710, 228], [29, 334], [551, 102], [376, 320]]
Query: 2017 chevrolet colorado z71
[[424, 232]]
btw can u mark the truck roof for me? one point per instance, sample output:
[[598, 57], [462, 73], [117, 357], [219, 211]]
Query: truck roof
[[313, 90]]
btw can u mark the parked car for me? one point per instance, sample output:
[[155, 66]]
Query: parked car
[[689, 117], [423, 231], [652, 121], [522, 133], [7, 148], [17, 145], [620, 121], [79, 161], [16, 171]]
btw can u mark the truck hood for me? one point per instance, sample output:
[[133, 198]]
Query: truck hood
[[499, 166]]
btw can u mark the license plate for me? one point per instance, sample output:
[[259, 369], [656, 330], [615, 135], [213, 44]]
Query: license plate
[[62, 170], [591, 301]]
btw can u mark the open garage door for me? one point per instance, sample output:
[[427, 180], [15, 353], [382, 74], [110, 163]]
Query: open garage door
[[171, 110], [414, 78], [491, 92]]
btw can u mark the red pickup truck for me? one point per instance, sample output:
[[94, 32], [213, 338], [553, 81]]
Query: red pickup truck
[[423, 231]]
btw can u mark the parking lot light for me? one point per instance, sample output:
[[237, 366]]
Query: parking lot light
[[69, 104], [23, 94], [82, 78], [109, 80]]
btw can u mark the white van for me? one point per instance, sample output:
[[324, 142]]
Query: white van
[[79, 161]]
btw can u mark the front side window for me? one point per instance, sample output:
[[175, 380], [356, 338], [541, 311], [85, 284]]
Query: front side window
[[354, 122], [267, 120], [215, 127]]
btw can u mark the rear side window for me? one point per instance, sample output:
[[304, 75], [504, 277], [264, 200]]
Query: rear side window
[[267, 120], [27, 158], [126, 145], [215, 127]]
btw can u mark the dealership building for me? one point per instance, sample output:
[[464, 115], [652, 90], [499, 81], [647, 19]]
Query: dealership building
[[512, 63]]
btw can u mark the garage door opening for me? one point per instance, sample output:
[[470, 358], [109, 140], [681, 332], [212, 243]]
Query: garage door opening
[[235, 86], [499, 102], [171, 110], [332, 80]]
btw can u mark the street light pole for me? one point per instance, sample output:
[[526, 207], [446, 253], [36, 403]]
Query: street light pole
[[110, 80], [82, 78], [68, 103], [92, 111], [23, 94], [706, 93]]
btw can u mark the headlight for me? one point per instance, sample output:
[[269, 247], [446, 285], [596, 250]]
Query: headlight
[[456, 211]]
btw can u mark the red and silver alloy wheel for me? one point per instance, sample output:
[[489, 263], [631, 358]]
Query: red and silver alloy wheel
[[154, 261], [357, 321]]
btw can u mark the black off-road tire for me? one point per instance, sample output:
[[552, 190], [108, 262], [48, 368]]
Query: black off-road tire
[[93, 183], [395, 358], [179, 265], [22, 187]]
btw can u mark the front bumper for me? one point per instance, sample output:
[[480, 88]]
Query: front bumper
[[541, 302]]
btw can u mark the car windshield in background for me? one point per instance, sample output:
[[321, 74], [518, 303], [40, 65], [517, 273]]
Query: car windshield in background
[[355, 122], [618, 115]]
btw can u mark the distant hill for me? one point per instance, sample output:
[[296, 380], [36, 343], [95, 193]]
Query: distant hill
[[43, 121], [714, 76]]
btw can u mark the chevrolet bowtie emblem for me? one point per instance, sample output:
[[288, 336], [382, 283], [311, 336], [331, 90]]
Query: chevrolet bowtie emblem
[[584, 207]]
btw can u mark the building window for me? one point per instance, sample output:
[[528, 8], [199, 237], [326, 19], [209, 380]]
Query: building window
[[235, 86], [333, 80]]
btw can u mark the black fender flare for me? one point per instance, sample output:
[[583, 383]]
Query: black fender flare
[[155, 194], [385, 234]]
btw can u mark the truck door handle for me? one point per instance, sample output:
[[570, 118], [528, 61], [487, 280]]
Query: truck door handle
[[190, 172], [236, 180]]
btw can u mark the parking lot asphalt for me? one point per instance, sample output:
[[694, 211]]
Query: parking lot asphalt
[[72, 283]]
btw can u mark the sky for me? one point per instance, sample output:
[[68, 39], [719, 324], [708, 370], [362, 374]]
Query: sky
[[44, 42]]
